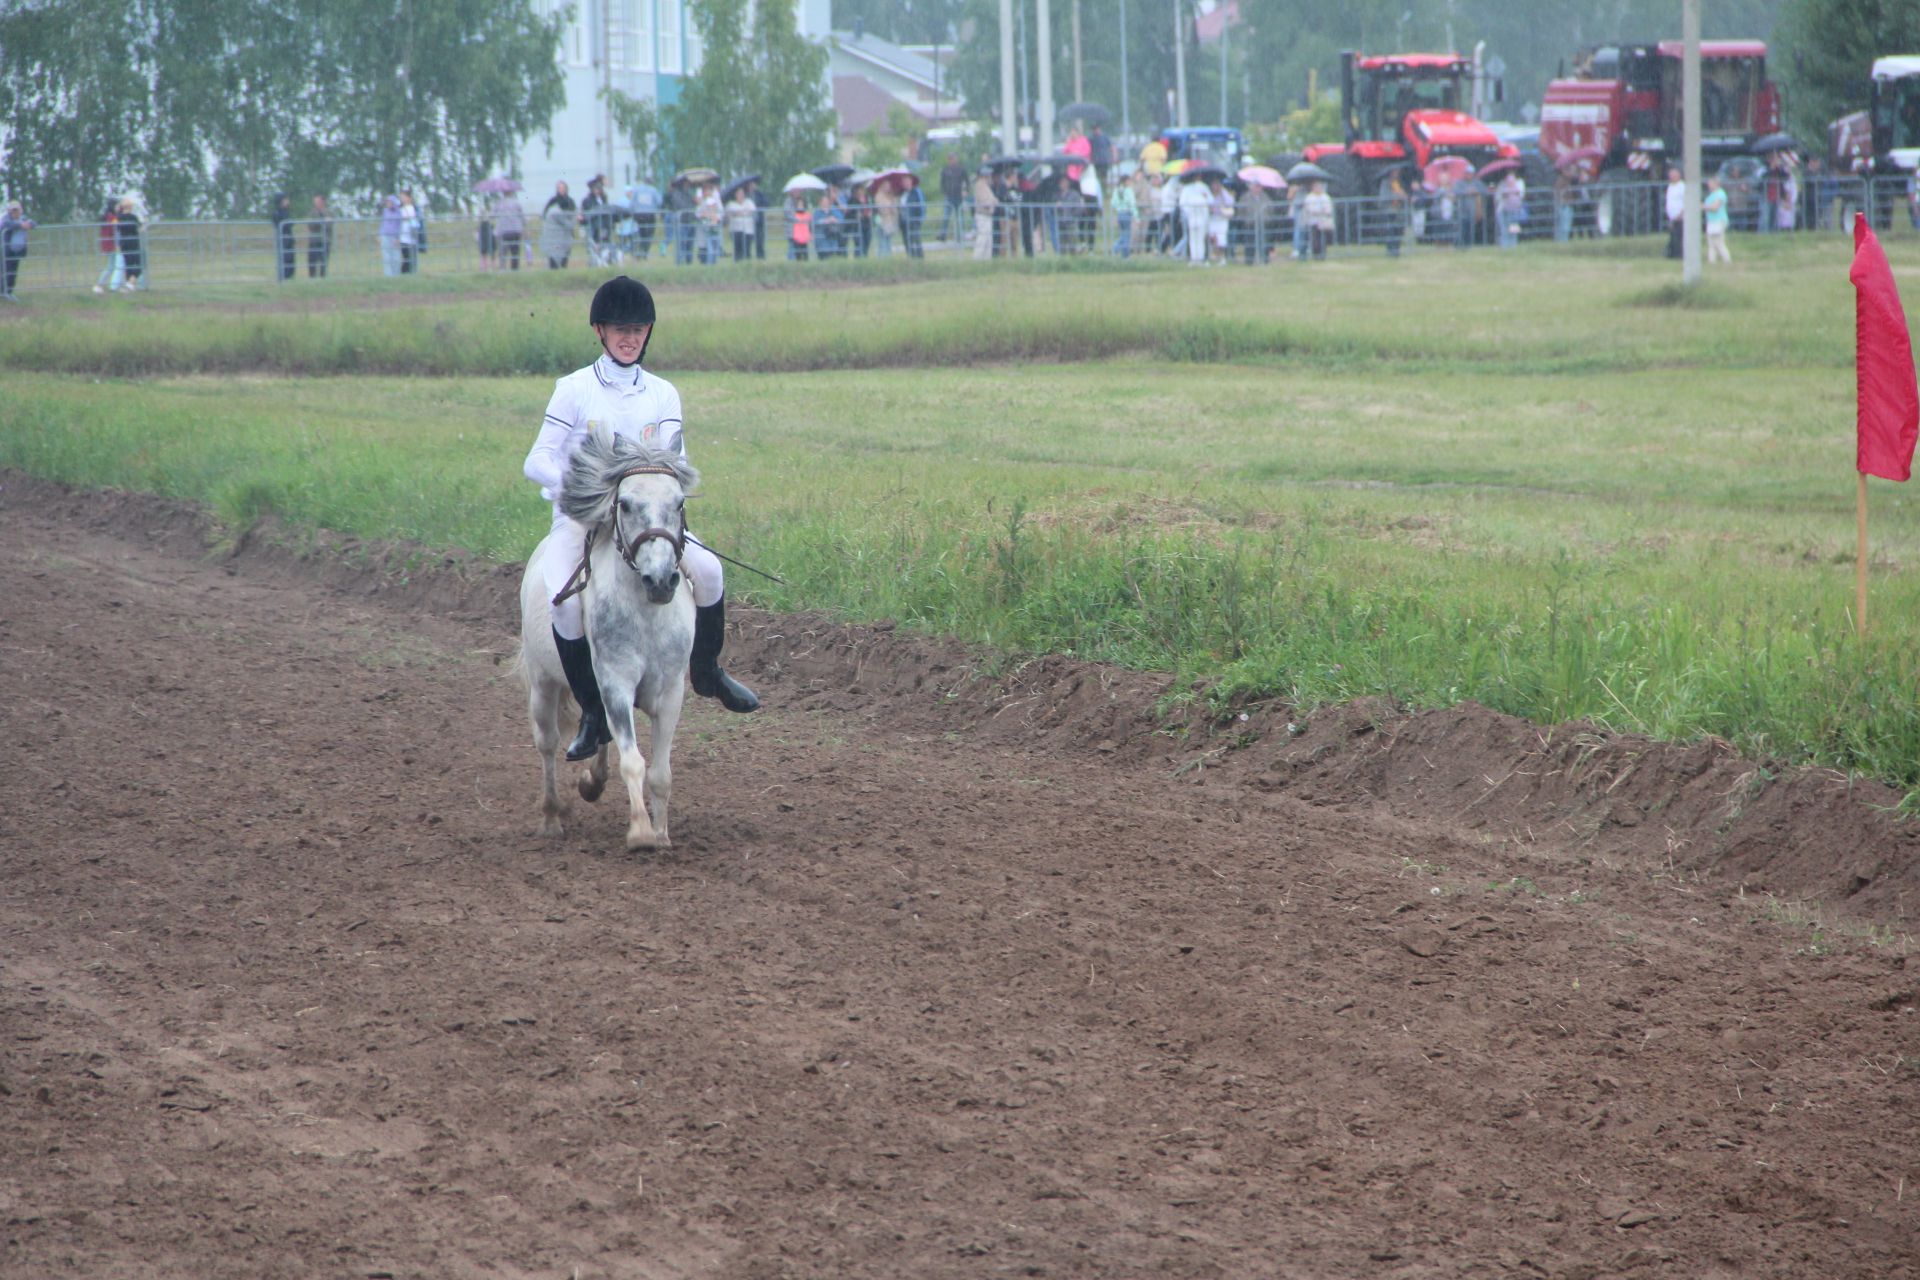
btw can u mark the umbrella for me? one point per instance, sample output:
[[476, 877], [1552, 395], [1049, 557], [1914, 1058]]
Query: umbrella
[[1308, 171], [803, 182], [833, 173], [1006, 162], [698, 175], [1263, 175], [893, 178], [1499, 166], [1173, 168], [1776, 142], [739, 182], [1091, 112], [497, 186], [860, 177], [1444, 169], [1202, 173], [1584, 157]]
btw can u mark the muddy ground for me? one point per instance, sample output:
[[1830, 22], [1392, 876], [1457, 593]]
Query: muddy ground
[[953, 971]]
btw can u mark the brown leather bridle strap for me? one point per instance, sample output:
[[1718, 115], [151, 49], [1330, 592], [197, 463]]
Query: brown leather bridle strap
[[577, 580]]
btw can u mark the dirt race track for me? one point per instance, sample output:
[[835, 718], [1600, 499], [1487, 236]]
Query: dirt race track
[[949, 973]]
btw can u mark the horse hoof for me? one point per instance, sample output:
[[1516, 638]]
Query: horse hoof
[[648, 843], [591, 787], [551, 829]]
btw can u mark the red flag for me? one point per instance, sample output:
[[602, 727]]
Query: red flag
[[1889, 402]]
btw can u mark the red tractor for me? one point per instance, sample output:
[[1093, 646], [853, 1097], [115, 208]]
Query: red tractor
[[1400, 112], [1618, 117]]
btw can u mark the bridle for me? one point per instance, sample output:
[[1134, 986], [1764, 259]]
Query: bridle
[[630, 551]]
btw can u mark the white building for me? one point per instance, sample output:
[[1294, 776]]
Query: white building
[[643, 48]]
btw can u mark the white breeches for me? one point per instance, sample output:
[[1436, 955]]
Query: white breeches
[[1196, 225], [567, 542]]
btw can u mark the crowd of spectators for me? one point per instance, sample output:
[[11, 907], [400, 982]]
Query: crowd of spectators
[[1078, 201]]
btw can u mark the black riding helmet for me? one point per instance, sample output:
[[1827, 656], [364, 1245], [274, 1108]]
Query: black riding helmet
[[623, 300]]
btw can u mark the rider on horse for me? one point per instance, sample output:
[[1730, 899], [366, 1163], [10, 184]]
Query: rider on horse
[[614, 391]]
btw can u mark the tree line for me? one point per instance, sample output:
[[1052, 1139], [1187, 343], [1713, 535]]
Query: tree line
[[211, 106]]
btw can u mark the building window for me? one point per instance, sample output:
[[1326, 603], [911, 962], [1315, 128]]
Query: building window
[[633, 35], [672, 15]]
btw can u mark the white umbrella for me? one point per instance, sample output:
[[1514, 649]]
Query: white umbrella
[[803, 182]]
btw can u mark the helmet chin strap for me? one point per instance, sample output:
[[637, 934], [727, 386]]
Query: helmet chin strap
[[628, 364]]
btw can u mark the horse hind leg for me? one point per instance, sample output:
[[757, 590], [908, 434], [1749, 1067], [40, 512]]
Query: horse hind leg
[[543, 710]]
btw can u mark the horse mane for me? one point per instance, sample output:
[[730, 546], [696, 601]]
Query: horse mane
[[603, 459]]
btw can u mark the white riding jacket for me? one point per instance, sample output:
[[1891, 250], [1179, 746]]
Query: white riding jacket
[[636, 404]]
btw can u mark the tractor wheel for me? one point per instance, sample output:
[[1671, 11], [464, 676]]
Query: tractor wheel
[[1343, 173]]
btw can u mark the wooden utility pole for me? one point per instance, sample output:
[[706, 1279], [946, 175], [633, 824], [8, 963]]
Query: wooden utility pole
[[1690, 140], [1009, 117], [1079, 86]]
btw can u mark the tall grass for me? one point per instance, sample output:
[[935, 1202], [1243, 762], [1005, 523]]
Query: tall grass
[[1535, 310], [1664, 553]]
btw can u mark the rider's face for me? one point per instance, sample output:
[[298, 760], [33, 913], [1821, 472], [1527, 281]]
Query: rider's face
[[624, 342]]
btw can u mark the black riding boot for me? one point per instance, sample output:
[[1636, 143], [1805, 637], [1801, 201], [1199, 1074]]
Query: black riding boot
[[576, 659], [709, 681]]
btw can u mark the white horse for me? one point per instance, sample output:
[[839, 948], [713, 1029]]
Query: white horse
[[639, 614]]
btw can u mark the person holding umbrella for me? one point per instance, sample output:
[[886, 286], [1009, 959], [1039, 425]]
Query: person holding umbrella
[[913, 212], [509, 228], [1196, 210], [953, 194], [596, 211], [799, 225]]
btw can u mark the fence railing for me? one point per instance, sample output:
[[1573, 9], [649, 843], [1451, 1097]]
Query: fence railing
[[175, 255]]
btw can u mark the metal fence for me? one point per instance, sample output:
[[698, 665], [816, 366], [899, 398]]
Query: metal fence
[[178, 255]]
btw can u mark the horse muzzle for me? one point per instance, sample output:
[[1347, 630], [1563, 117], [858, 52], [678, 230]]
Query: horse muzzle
[[662, 587]]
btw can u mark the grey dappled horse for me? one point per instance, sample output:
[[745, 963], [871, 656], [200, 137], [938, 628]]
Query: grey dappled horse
[[639, 613]]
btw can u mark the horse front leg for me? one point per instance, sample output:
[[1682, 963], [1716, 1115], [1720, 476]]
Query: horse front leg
[[665, 718], [633, 765], [593, 778]]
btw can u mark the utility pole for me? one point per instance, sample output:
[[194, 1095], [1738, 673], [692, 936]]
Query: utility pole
[[1126, 118], [1009, 123], [1690, 140], [1045, 25], [1223, 65], [1079, 87], [1180, 63], [1026, 97]]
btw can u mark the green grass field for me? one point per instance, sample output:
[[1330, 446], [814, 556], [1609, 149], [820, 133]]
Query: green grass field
[[1546, 480]]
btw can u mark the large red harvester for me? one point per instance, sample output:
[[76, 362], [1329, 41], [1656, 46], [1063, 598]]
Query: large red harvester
[[1620, 112]]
